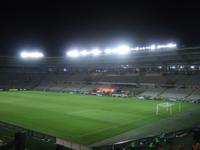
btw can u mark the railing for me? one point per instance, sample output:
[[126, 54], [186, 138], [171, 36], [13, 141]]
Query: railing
[[42, 137], [164, 137], [29, 132]]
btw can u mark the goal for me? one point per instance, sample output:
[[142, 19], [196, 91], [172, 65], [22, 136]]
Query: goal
[[165, 105]]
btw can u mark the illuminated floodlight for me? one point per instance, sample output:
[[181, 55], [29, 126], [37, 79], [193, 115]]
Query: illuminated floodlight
[[73, 53], [153, 47], [31, 55], [170, 45], [96, 52], [84, 52], [192, 67], [161, 46], [142, 48], [135, 49], [173, 67], [122, 50], [108, 51]]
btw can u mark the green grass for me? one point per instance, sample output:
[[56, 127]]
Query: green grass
[[79, 118]]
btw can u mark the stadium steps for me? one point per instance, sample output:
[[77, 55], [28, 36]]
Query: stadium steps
[[36, 84], [190, 93], [161, 92]]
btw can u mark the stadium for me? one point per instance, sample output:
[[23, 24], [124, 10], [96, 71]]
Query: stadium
[[120, 98]]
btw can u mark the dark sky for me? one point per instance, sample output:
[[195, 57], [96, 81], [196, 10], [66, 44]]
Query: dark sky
[[60, 25]]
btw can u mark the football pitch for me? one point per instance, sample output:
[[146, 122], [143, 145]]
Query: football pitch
[[83, 119]]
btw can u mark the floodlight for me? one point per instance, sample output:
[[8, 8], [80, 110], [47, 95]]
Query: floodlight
[[96, 52], [142, 48], [152, 47], [134, 49], [173, 67], [84, 52], [192, 67], [31, 55], [73, 53], [160, 46], [170, 45], [108, 51], [122, 50]]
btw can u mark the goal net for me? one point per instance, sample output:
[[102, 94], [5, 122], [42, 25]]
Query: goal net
[[167, 106]]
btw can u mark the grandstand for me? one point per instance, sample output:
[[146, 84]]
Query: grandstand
[[163, 75]]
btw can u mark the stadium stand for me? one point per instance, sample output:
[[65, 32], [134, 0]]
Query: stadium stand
[[194, 96], [193, 80], [152, 78], [181, 80], [160, 74], [19, 80], [144, 84], [176, 94], [116, 78], [152, 92]]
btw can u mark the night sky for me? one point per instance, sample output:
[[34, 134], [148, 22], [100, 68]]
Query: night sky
[[57, 26]]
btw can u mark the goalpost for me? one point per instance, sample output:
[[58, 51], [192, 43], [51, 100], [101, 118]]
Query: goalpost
[[166, 105]]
